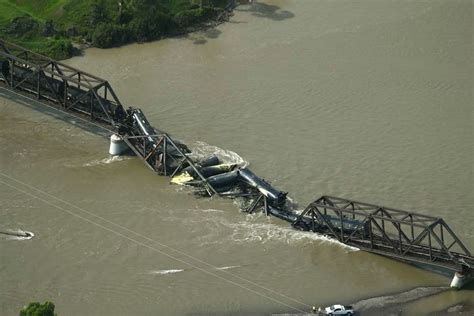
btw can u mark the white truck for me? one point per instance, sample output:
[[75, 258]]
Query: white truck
[[339, 310]]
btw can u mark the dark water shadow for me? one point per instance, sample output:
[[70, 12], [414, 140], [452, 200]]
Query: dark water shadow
[[91, 127], [269, 11], [237, 22], [202, 37], [78, 51], [469, 286]]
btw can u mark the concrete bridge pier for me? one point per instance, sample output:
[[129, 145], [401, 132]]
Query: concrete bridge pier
[[460, 279], [117, 145]]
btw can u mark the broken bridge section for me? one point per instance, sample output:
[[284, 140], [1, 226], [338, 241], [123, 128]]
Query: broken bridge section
[[407, 236]]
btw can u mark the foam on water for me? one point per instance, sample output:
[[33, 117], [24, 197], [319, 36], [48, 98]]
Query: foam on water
[[202, 150], [19, 232], [252, 228], [211, 210], [227, 267], [400, 298], [265, 232], [163, 272], [106, 161]]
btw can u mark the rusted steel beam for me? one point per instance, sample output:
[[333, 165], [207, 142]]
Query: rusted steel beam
[[325, 221], [453, 235], [91, 81], [371, 235], [8, 45], [26, 62], [191, 163], [328, 197], [85, 94], [178, 168], [254, 204], [349, 211], [30, 75]]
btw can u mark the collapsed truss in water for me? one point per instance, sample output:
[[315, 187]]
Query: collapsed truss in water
[[407, 236]]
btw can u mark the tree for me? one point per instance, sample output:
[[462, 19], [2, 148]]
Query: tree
[[58, 48], [98, 13], [37, 309], [150, 25], [110, 35]]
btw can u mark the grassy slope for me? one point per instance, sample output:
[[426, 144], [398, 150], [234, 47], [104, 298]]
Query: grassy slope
[[65, 14], [43, 10], [40, 10]]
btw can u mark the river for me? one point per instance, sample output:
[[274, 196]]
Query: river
[[370, 100]]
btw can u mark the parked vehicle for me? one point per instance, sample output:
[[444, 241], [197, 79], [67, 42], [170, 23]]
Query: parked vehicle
[[339, 310]]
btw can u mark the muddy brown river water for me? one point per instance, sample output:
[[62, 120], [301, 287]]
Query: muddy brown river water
[[370, 100]]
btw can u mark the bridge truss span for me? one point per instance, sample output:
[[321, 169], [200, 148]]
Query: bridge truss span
[[63, 86], [390, 232]]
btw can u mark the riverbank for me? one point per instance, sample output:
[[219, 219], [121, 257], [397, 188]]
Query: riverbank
[[61, 28]]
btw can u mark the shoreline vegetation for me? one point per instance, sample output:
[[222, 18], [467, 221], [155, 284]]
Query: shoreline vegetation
[[59, 29]]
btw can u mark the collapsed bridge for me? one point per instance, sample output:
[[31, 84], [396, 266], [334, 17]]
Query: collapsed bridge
[[406, 236]]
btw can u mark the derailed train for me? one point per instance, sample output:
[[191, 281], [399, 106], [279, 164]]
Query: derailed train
[[227, 180], [231, 180], [351, 222]]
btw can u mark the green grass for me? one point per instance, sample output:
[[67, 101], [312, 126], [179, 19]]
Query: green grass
[[41, 9], [67, 14], [9, 11]]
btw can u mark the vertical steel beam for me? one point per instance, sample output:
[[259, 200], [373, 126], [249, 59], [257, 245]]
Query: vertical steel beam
[[12, 69], [265, 205], [254, 204], [164, 156], [342, 226], [65, 91], [92, 107], [441, 233], [38, 78], [400, 238], [429, 244], [370, 233]]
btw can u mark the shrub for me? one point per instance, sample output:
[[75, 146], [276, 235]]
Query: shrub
[[58, 49], [150, 26], [193, 16], [110, 35], [22, 26], [37, 309], [48, 29], [97, 13]]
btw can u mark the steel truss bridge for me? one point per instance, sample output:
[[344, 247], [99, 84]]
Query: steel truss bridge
[[390, 232], [402, 235]]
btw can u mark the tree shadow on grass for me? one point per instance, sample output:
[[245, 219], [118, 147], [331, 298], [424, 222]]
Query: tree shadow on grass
[[268, 11]]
